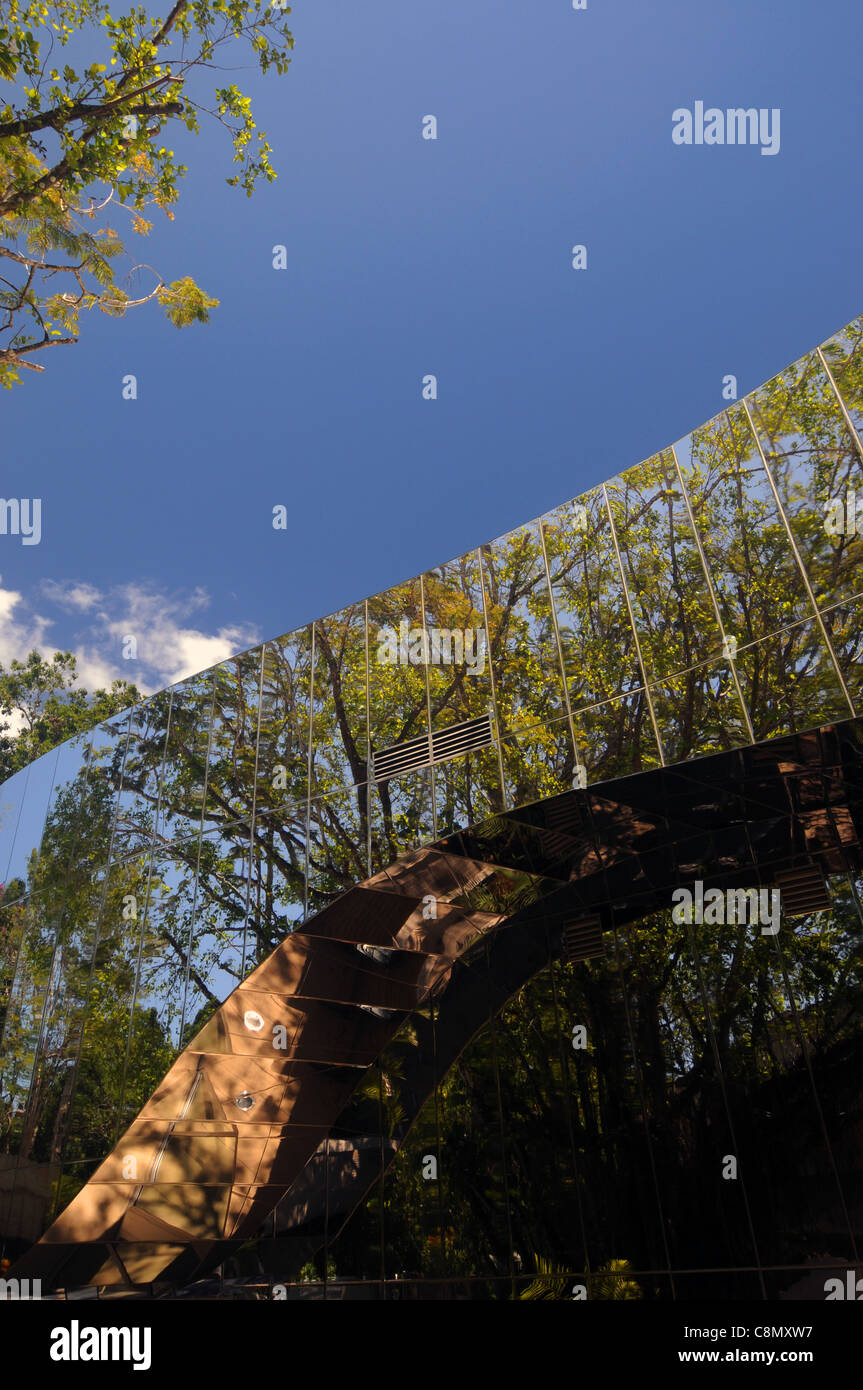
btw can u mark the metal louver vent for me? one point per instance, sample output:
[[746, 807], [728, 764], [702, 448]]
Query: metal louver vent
[[583, 939], [802, 890], [436, 748]]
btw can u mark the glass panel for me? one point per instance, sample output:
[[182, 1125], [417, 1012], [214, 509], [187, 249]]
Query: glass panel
[[844, 626], [218, 961], [30, 796], [233, 742], [595, 633], [338, 849], [55, 960], [815, 465], [752, 566], [699, 713], [402, 817], [283, 741], [543, 1172], [844, 355], [475, 1159], [456, 643], [278, 887], [616, 738], [185, 772], [398, 694], [12, 920], [339, 733], [75, 817], [522, 639], [12, 795], [78, 1090], [138, 801], [540, 763], [166, 935], [104, 779], [674, 1014], [789, 682], [467, 790], [360, 1148], [414, 1221], [674, 612], [32, 988]]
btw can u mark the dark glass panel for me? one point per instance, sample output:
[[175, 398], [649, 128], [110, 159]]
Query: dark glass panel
[[545, 1195], [475, 1164], [414, 1222], [672, 1017]]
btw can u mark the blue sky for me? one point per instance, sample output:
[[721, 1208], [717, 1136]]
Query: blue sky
[[453, 257]]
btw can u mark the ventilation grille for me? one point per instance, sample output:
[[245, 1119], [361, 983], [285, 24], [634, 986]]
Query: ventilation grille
[[413, 752], [801, 891], [582, 939], [437, 748]]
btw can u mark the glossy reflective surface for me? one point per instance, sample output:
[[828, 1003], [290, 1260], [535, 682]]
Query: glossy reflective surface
[[224, 861]]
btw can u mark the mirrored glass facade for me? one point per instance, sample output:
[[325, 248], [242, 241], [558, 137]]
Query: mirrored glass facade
[[499, 936]]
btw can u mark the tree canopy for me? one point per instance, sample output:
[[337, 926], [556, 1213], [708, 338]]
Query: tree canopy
[[42, 698], [86, 94]]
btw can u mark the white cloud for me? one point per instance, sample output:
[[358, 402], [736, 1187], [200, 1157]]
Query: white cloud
[[81, 597], [170, 645], [19, 633]]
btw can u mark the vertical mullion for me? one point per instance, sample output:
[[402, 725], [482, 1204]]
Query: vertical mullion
[[503, 793], [712, 592], [799, 559], [634, 629]]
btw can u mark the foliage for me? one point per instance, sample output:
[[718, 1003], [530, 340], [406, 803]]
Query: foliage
[[42, 696], [81, 132]]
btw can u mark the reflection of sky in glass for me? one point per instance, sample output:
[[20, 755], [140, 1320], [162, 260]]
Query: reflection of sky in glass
[[22, 815]]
